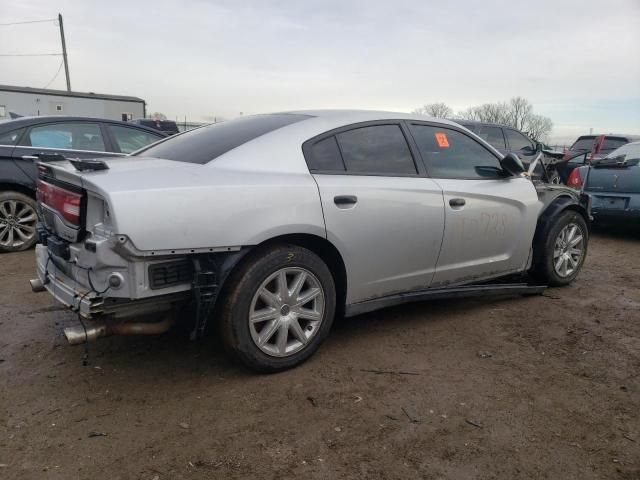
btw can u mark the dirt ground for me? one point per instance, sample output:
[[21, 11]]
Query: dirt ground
[[526, 387]]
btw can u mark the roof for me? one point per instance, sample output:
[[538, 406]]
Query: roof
[[65, 93], [9, 125]]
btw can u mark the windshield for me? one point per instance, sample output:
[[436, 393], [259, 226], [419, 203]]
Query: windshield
[[204, 144]]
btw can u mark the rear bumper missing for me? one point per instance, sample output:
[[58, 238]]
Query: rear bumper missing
[[89, 303]]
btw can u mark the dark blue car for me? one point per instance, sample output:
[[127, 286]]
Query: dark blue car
[[613, 183]]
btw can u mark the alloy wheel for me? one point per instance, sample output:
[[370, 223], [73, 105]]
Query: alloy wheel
[[568, 250], [286, 311], [17, 223]]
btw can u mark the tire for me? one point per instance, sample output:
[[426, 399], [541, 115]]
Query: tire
[[18, 220], [554, 177], [285, 332], [556, 262]]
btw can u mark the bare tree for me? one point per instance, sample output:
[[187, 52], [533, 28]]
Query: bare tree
[[538, 127], [519, 110], [158, 116], [438, 110]]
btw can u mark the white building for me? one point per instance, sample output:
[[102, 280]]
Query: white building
[[27, 101]]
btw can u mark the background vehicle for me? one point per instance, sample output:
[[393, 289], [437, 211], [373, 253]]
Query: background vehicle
[[269, 224], [613, 183], [507, 139], [24, 140], [167, 126], [590, 148]]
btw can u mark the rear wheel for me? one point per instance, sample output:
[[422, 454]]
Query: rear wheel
[[561, 250], [279, 308], [18, 220]]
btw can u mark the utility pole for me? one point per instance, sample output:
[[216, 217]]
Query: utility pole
[[64, 53]]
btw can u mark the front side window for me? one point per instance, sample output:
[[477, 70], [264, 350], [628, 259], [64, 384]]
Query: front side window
[[377, 149], [132, 139], [517, 141], [452, 154], [67, 136], [494, 137]]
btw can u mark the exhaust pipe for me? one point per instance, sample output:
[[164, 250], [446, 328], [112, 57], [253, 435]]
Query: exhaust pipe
[[37, 285], [79, 334]]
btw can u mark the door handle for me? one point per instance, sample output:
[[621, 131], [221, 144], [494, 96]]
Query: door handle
[[457, 202], [345, 201], [30, 157]]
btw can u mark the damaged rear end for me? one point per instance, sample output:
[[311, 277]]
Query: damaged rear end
[[91, 269]]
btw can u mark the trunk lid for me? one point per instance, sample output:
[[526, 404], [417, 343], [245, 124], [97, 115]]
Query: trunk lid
[[614, 177]]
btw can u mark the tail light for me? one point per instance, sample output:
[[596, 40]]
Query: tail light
[[63, 201], [575, 179]]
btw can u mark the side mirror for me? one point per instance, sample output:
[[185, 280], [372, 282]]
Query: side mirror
[[512, 165], [539, 147]]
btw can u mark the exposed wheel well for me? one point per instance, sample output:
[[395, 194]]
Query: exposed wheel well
[[16, 187]]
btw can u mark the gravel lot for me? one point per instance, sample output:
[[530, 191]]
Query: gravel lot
[[527, 387]]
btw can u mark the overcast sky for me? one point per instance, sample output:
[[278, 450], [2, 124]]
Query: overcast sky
[[576, 61]]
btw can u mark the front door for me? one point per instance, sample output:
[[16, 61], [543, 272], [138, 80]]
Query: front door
[[490, 219], [384, 216]]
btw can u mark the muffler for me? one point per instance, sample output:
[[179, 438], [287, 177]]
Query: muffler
[[89, 333], [37, 285]]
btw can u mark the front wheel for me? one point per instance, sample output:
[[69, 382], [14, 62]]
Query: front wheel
[[279, 308], [561, 250]]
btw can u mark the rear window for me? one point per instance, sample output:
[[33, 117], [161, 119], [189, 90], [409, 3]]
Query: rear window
[[583, 143], [204, 144], [611, 143]]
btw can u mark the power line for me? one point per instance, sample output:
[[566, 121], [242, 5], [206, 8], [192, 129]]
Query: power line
[[30, 54], [27, 21], [56, 75]]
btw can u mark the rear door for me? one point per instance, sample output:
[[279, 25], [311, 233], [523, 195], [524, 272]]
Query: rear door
[[490, 219], [73, 139], [382, 213]]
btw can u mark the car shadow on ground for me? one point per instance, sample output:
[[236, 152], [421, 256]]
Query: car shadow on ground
[[154, 356]]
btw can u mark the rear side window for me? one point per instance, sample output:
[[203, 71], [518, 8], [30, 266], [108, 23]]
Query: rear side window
[[378, 149], [493, 136], [67, 136], [11, 138], [132, 139], [325, 156], [201, 145], [452, 154], [518, 141]]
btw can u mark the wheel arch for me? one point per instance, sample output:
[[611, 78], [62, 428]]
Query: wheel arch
[[329, 254], [17, 187], [317, 244]]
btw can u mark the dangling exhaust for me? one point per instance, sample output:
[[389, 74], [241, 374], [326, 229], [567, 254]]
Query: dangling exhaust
[[89, 333]]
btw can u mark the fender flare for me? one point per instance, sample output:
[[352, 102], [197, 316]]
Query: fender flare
[[560, 204]]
